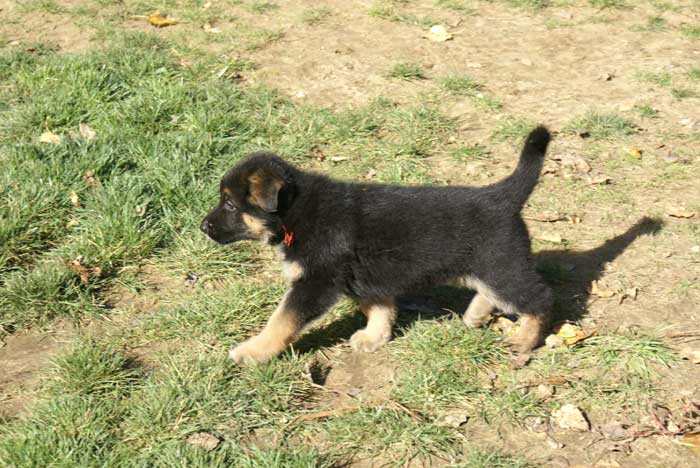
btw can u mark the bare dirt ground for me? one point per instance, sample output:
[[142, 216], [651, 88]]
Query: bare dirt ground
[[547, 66]]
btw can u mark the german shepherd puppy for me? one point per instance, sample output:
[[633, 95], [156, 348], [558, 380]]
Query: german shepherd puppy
[[374, 242]]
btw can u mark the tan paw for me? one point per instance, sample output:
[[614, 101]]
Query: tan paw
[[251, 351], [472, 322], [522, 343], [366, 342]]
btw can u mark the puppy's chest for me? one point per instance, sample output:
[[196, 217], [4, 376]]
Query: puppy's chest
[[291, 269]]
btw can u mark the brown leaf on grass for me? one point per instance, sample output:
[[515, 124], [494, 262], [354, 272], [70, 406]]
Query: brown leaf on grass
[[438, 33], [676, 212], [635, 152], [571, 333], [574, 219], [83, 271], [600, 290], [50, 137], [89, 178], [211, 29], [570, 417], [546, 217], [573, 161], [692, 355], [204, 440], [552, 237], [77, 266], [74, 200], [692, 441], [598, 180], [160, 21]]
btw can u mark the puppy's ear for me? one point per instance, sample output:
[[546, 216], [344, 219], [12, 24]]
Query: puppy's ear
[[264, 188]]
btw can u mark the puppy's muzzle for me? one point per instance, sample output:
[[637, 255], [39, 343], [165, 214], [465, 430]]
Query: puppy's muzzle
[[205, 226]]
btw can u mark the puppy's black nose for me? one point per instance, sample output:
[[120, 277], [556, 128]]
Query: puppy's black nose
[[206, 226]]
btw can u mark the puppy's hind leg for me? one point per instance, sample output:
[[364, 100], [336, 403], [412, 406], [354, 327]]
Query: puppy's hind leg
[[380, 319]]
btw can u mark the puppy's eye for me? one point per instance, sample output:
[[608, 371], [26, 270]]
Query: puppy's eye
[[229, 205]]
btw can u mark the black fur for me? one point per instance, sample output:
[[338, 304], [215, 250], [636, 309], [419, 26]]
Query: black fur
[[373, 241]]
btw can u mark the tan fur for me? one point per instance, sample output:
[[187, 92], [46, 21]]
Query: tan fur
[[281, 329], [478, 312], [261, 188], [380, 319], [292, 270], [254, 225], [529, 335]]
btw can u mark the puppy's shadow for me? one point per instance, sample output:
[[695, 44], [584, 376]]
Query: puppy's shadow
[[569, 273]]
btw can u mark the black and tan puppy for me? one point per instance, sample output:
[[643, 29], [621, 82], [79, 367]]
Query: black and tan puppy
[[374, 242]]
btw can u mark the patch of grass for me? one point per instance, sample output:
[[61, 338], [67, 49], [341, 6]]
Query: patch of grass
[[459, 85], [663, 79], [602, 126], [406, 71], [391, 10], [653, 24], [682, 93], [512, 129], [529, 4], [314, 16], [468, 152], [443, 363], [605, 4], [646, 111], [694, 73], [262, 6], [47, 6], [462, 6], [690, 31], [387, 433]]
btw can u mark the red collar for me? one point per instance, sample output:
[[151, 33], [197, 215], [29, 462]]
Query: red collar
[[288, 236]]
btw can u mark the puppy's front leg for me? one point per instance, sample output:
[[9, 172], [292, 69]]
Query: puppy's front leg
[[305, 301]]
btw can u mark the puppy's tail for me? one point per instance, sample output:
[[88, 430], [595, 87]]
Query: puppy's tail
[[516, 188]]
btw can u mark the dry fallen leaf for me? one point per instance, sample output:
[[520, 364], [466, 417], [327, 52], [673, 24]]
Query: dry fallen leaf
[[78, 267], [692, 355], [74, 199], [546, 217], [50, 137], [600, 290], [573, 161], [438, 33], [571, 333], [692, 441], [680, 213], [504, 326], [573, 219], [453, 420], [554, 238], [89, 178], [598, 180], [160, 21], [570, 417], [203, 440], [635, 152], [87, 132], [211, 29]]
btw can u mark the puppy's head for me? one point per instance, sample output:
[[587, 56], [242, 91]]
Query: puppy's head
[[252, 195]]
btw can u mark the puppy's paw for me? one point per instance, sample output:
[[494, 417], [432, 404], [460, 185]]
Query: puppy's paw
[[472, 322], [250, 351], [367, 342], [522, 344]]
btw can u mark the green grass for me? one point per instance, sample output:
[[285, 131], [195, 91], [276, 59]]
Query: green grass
[[512, 129], [690, 31], [314, 16], [393, 10], [646, 111], [406, 71], [602, 126], [468, 152], [604, 4], [653, 24]]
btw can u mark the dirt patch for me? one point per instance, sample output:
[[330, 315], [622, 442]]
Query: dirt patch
[[24, 357]]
